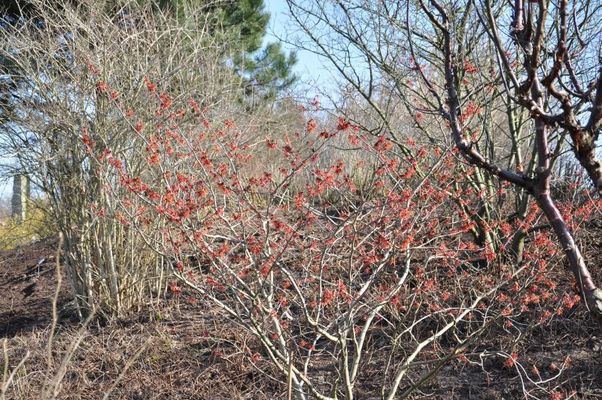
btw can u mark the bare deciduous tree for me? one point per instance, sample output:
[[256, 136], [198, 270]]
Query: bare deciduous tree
[[536, 62]]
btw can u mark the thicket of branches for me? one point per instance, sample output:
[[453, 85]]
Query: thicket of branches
[[355, 247], [58, 63], [514, 86]]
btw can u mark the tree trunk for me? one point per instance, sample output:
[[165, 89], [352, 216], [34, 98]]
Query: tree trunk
[[591, 294], [541, 190]]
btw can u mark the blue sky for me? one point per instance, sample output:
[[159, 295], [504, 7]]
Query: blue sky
[[312, 71]]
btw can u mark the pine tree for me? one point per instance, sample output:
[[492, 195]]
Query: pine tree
[[265, 71]]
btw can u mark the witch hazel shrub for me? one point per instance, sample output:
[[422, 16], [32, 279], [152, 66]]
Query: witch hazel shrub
[[344, 282]]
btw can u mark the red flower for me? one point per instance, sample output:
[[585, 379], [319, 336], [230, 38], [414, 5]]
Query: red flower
[[383, 144], [195, 106], [154, 159], [555, 395], [174, 288], [138, 127], [343, 124], [102, 86], [87, 140], [327, 297], [93, 70], [165, 101], [510, 361], [316, 103], [470, 68], [270, 144], [150, 85]]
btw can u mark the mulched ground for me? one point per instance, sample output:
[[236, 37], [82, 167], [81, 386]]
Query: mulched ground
[[179, 350], [27, 287]]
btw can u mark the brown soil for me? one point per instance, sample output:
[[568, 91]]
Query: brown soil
[[28, 284], [183, 349]]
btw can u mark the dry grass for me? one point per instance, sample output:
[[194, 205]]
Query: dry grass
[[185, 351], [178, 352], [13, 233]]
